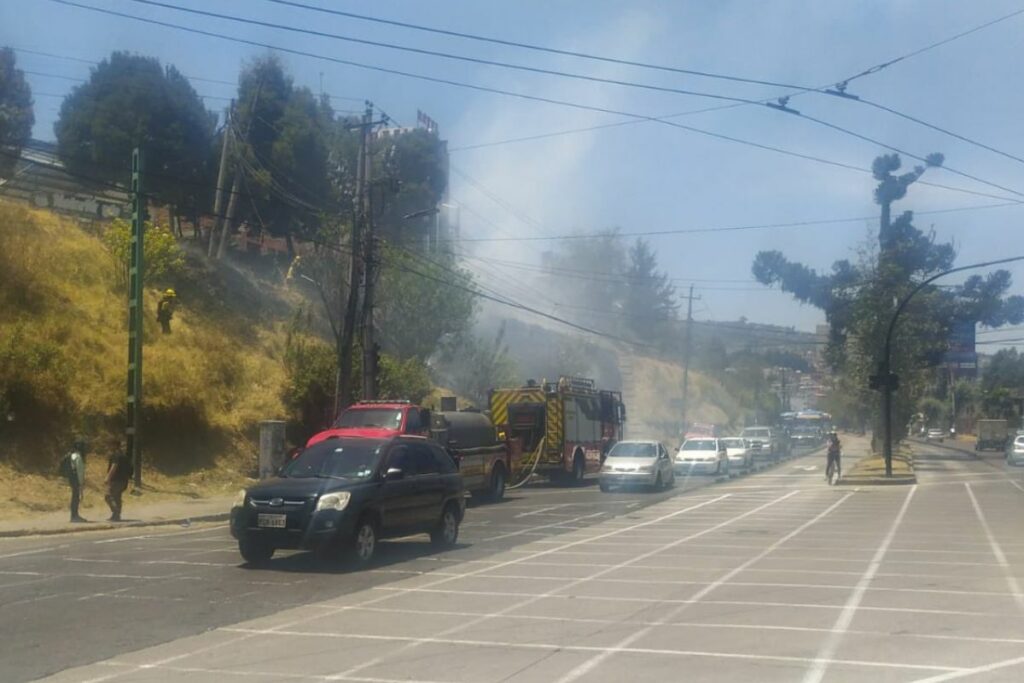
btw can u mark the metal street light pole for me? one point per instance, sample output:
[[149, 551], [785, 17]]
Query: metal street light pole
[[886, 375]]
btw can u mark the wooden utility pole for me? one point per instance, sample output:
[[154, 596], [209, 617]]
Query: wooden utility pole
[[343, 388], [686, 355], [369, 274], [222, 177], [236, 186]]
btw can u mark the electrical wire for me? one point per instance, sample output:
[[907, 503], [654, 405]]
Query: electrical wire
[[482, 88]]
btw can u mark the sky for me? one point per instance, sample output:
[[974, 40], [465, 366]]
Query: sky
[[643, 175]]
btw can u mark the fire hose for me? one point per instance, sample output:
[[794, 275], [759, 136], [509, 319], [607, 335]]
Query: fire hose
[[536, 460]]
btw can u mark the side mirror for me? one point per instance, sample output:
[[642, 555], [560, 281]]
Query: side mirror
[[394, 474]]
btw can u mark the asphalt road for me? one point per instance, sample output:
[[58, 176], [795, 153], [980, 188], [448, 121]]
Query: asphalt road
[[773, 576]]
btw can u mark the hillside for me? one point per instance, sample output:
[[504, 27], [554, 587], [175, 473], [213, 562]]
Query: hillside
[[63, 346]]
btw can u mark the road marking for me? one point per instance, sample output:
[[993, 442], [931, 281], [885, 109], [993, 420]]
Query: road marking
[[530, 599], [696, 625], [337, 610], [32, 552], [276, 675], [994, 666], [627, 642], [541, 511], [203, 530], [838, 630], [561, 647], [1000, 556], [1016, 484], [530, 530]]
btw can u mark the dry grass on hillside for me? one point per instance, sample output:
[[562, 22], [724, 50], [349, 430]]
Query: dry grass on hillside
[[63, 349]]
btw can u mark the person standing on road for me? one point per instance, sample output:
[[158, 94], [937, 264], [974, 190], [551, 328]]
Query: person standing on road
[[72, 468], [835, 450], [119, 473]]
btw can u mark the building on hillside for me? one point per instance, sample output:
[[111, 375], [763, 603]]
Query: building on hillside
[[40, 179]]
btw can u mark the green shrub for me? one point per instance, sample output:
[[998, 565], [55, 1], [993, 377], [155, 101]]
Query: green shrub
[[163, 257]]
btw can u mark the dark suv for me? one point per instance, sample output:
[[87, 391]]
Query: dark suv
[[349, 492]]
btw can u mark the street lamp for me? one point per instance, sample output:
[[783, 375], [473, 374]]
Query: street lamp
[[886, 380]]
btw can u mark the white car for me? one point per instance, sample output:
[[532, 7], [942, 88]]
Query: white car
[[644, 463], [1015, 453], [739, 453], [705, 455]]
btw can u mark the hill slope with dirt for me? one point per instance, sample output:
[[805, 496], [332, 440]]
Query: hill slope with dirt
[[63, 350]]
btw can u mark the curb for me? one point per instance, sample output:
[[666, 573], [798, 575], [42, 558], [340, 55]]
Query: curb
[[901, 480], [107, 526]]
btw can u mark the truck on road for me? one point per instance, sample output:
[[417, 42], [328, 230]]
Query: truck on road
[[564, 428], [992, 435], [484, 461]]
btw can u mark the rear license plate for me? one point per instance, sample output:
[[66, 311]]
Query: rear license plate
[[271, 521]]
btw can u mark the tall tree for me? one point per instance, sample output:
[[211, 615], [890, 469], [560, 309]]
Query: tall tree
[[282, 134], [132, 101], [650, 303], [859, 298], [16, 115]]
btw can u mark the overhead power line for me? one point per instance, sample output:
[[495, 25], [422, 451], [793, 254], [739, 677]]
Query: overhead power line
[[489, 89], [733, 228], [563, 74], [628, 62], [800, 89]]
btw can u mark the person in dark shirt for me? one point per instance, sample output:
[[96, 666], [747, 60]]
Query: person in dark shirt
[[119, 473]]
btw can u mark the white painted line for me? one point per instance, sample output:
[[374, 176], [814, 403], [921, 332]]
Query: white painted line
[[203, 530], [540, 511], [530, 530], [371, 601], [828, 649], [276, 675], [627, 642], [532, 598], [994, 666], [1016, 484], [32, 552], [1000, 556], [559, 647]]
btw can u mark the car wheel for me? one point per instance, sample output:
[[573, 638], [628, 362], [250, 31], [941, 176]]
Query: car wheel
[[446, 533], [364, 542], [671, 481], [658, 483], [255, 552], [497, 491], [605, 488]]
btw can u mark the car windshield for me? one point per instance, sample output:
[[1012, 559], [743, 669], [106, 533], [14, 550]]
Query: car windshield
[[389, 418], [336, 459], [627, 449], [733, 443], [699, 445], [756, 433]]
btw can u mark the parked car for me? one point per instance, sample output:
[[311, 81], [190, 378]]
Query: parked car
[[763, 442], [348, 492], [739, 453], [702, 455], [377, 420], [1015, 451], [631, 463], [935, 434]]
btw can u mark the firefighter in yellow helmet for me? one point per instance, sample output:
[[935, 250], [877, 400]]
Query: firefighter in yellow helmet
[[165, 310]]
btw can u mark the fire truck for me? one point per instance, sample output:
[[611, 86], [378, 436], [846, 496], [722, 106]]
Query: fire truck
[[563, 429]]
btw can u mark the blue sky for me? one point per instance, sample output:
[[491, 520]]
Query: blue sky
[[642, 176]]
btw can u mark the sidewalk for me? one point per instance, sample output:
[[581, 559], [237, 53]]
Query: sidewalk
[[137, 513]]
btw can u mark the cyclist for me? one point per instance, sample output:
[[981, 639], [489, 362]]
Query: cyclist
[[835, 449]]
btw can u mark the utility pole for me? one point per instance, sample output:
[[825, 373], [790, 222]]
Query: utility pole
[[136, 272], [343, 388], [369, 273], [686, 355], [236, 186], [222, 177]]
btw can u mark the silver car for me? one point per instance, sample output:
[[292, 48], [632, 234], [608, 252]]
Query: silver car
[[702, 455], [740, 455], [637, 463], [1015, 452]]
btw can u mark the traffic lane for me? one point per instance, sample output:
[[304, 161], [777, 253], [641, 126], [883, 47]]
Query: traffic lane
[[185, 581], [497, 620]]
